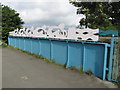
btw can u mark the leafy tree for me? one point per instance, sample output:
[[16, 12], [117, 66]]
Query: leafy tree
[[103, 15], [10, 21]]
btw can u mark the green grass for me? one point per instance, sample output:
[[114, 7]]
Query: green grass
[[89, 72], [117, 83], [3, 46], [81, 70]]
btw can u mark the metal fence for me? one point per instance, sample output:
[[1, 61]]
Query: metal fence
[[91, 56]]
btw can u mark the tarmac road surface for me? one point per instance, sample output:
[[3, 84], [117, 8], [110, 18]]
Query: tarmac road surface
[[21, 70]]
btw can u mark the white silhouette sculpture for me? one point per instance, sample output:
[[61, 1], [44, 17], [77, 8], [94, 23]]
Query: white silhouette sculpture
[[58, 32]]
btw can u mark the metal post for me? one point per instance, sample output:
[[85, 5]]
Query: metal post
[[51, 50], [40, 47], [105, 62], [19, 42], [111, 58], [68, 53], [83, 57], [31, 45], [8, 40], [24, 43], [15, 42]]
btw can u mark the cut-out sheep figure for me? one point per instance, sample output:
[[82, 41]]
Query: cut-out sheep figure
[[29, 32], [58, 32], [40, 32], [83, 34]]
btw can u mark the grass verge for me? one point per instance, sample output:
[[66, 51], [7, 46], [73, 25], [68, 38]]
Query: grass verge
[[3, 46], [117, 83]]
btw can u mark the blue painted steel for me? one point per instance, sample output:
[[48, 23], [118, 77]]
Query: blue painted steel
[[110, 60], [39, 46], [8, 40], [13, 41], [45, 48], [17, 42], [87, 55], [24, 44], [60, 52], [94, 59], [105, 62], [51, 50], [21, 43], [35, 46], [75, 54], [31, 43], [83, 60], [28, 44], [108, 32], [68, 55]]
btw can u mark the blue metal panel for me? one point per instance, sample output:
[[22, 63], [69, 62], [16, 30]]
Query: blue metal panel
[[94, 59], [9, 39], [60, 52], [17, 42], [39, 41], [28, 44], [15, 38], [31, 44], [45, 48], [75, 54], [51, 50], [24, 44], [21, 43], [35, 46], [108, 32], [84, 52], [13, 41]]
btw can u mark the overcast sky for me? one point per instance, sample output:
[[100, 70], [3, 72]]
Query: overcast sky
[[45, 12]]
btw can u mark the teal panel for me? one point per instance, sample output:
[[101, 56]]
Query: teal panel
[[13, 41], [21, 43], [45, 48], [28, 44], [75, 54], [108, 32], [94, 59], [59, 52], [17, 42], [35, 46]]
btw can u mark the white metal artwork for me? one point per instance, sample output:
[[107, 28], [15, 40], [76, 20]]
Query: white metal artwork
[[58, 32]]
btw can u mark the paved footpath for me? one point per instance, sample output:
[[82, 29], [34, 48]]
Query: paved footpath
[[21, 70]]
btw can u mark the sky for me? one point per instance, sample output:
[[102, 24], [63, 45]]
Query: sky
[[45, 12]]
